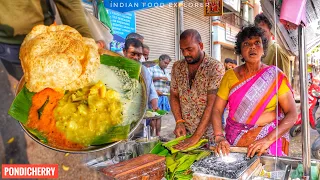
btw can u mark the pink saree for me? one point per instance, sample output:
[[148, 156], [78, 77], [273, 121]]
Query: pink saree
[[247, 101]]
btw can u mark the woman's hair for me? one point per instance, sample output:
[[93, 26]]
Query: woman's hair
[[248, 32]]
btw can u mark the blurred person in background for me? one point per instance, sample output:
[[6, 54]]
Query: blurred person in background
[[161, 79], [146, 52], [274, 49], [228, 63]]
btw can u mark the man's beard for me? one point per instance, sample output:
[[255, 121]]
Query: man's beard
[[194, 61]]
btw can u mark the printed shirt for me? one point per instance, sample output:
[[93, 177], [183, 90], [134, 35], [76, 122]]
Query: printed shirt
[[193, 101], [160, 85]]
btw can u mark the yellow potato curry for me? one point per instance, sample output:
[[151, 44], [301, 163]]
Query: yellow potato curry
[[87, 113]]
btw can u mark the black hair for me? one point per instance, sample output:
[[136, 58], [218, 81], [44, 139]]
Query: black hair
[[191, 33], [228, 60], [132, 42], [134, 35], [261, 18], [248, 32], [146, 47], [235, 62], [164, 57]]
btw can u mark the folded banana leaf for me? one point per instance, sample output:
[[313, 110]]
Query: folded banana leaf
[[133, 68], [113, 134], [21, 105], [170, 145]]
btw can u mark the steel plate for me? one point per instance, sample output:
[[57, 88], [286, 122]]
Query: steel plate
[[133, 127]]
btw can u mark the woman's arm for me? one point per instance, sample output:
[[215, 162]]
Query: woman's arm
[[216, 119], [288, 106]]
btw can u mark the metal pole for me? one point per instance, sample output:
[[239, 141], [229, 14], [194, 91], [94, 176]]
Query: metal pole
[[95, 9], [306, 156], [180, 28]]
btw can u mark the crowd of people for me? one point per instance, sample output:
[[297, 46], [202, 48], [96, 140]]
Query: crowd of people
[[201, 88]]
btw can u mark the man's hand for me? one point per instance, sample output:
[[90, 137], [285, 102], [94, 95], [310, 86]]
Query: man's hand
[[159, 93], [165, 78], [154, 104], [180, 130], [187, 143]]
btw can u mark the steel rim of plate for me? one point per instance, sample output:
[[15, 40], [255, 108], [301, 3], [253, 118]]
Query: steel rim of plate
[[90, 148]]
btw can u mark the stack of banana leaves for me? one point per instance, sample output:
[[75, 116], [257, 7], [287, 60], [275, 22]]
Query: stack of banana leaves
[[178, 162]]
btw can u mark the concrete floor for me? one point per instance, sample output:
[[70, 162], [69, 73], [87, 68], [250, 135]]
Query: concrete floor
[[24, 150]]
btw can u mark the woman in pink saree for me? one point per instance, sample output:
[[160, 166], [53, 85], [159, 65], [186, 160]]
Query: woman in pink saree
[[260, 99]]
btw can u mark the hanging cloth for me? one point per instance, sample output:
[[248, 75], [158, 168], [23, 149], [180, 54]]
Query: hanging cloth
[[293, 11], [104, 16]]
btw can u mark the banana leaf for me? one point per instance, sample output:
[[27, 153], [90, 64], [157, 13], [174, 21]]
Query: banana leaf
[[164, 153], [175, 141], [38, 134], [115, 133], [183, 175], [159, 111], [133, 68], [21, 105], [157, 148], [187, 163]]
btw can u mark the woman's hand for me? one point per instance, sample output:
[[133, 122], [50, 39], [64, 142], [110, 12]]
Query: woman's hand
[[223, 146], [259, 146]]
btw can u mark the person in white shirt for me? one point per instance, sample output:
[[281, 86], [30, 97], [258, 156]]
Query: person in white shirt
[[160, 76]]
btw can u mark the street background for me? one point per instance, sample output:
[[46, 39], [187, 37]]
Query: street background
[[22, 149]]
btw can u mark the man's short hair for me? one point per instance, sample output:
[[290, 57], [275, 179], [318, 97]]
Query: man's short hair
[[235, 62], [146, 47], [261, 18], [132, 42], [194, 34], [164, 57], [134, 35], [228, 60]]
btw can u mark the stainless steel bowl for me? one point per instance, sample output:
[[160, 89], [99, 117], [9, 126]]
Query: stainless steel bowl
[[144, 146], [134, 125]]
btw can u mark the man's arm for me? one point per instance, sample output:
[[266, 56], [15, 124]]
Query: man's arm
[[153, 96], [204, 122], [180, 129], [159, 78], [175, 105], [72, 14]]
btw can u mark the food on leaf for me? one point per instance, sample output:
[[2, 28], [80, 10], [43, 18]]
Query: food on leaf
[[71, 99]]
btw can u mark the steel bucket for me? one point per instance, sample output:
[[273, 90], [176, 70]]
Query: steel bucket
[[144, 147]]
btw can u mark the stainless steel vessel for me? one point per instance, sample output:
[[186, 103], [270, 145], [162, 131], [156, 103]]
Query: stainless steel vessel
[[133, 127]]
